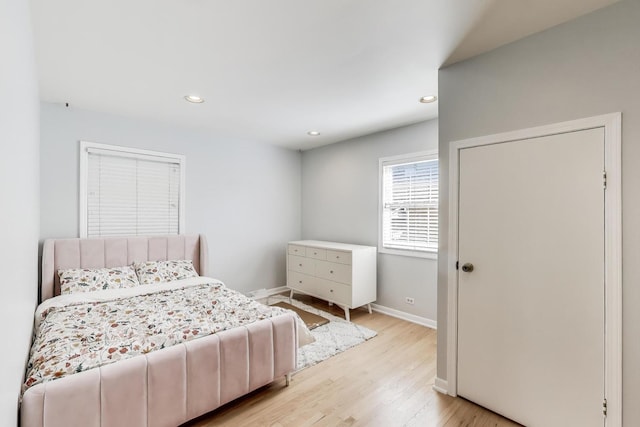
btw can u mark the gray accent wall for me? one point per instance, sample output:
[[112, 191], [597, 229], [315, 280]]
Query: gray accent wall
[[583, 68], [19, 214], [245, 197], [340, 203]]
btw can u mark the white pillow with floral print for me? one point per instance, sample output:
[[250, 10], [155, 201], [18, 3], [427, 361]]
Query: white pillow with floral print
[[164, 271], [96, 279]]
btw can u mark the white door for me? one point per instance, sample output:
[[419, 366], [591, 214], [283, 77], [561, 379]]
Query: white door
[[531, 313]]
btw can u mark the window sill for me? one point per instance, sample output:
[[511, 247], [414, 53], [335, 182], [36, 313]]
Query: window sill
[[408, 253]]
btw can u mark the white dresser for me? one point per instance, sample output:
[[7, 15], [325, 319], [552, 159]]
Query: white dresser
[[336, 272]]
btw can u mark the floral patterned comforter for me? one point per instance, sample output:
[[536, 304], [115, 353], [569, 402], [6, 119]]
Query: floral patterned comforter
[[78, 332]]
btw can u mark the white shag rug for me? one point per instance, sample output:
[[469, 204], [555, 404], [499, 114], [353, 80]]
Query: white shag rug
[[332, 338]]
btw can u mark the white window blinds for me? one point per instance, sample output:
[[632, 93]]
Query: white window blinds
[[129, 193], [410, 204]]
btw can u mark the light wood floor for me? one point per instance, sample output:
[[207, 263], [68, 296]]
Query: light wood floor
[[386, 381]]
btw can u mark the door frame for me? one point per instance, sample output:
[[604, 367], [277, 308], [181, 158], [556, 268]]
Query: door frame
[[612, 124]]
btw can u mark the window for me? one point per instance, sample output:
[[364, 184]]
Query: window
[[409, 205], [125, 191]]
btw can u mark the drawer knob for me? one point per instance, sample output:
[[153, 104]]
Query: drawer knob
[[300, 265], [331, 271], [315, 253], [337, 256], [330, 290], [299, 281]]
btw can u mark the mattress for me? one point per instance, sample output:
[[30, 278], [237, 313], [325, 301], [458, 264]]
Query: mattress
[[81, 331]]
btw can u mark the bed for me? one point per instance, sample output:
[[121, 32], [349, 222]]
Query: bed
[[164, 386]]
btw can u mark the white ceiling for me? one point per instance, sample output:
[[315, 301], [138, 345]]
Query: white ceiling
[[272, 70]]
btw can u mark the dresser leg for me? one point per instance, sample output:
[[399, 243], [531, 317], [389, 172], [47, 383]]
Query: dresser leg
[[287, 379], [346, 314], [369, 307], [291, 296]]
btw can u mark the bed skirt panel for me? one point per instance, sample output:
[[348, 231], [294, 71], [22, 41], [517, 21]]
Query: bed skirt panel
[[170, 386]]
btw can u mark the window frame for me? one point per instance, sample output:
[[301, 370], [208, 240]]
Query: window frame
[[389, 161], [136, 153]]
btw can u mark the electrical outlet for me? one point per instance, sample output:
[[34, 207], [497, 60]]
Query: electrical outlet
[[409, 300]]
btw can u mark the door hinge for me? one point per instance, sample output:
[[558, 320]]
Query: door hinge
[[604, 407], [604, 179], [457, 265]]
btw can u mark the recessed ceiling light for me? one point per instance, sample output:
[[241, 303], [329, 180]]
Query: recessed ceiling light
[[428, 99], [194, 98], [313, 133]]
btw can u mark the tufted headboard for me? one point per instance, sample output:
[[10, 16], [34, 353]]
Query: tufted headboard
[[116, 252]]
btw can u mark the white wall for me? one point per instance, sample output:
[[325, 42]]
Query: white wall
[[583, 68], [244, 197], [19, 180], [340, 203]]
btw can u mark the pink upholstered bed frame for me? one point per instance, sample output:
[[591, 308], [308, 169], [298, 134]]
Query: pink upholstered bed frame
[[167, 387]]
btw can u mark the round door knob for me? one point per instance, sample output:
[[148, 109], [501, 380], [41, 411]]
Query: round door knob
[[467, 267]]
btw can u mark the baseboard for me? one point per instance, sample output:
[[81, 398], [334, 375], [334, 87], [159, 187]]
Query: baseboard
[[276, 291], [405, 316], [265, 293], [441, 386], [261, 294]]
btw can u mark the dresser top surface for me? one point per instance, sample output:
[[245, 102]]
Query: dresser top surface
[[330, 245]]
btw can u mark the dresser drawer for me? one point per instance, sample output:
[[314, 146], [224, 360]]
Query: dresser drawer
[[302, 282], [334, 271], [341, 257], [302, 264], [316, 253], [333, 291], [297, 250]]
